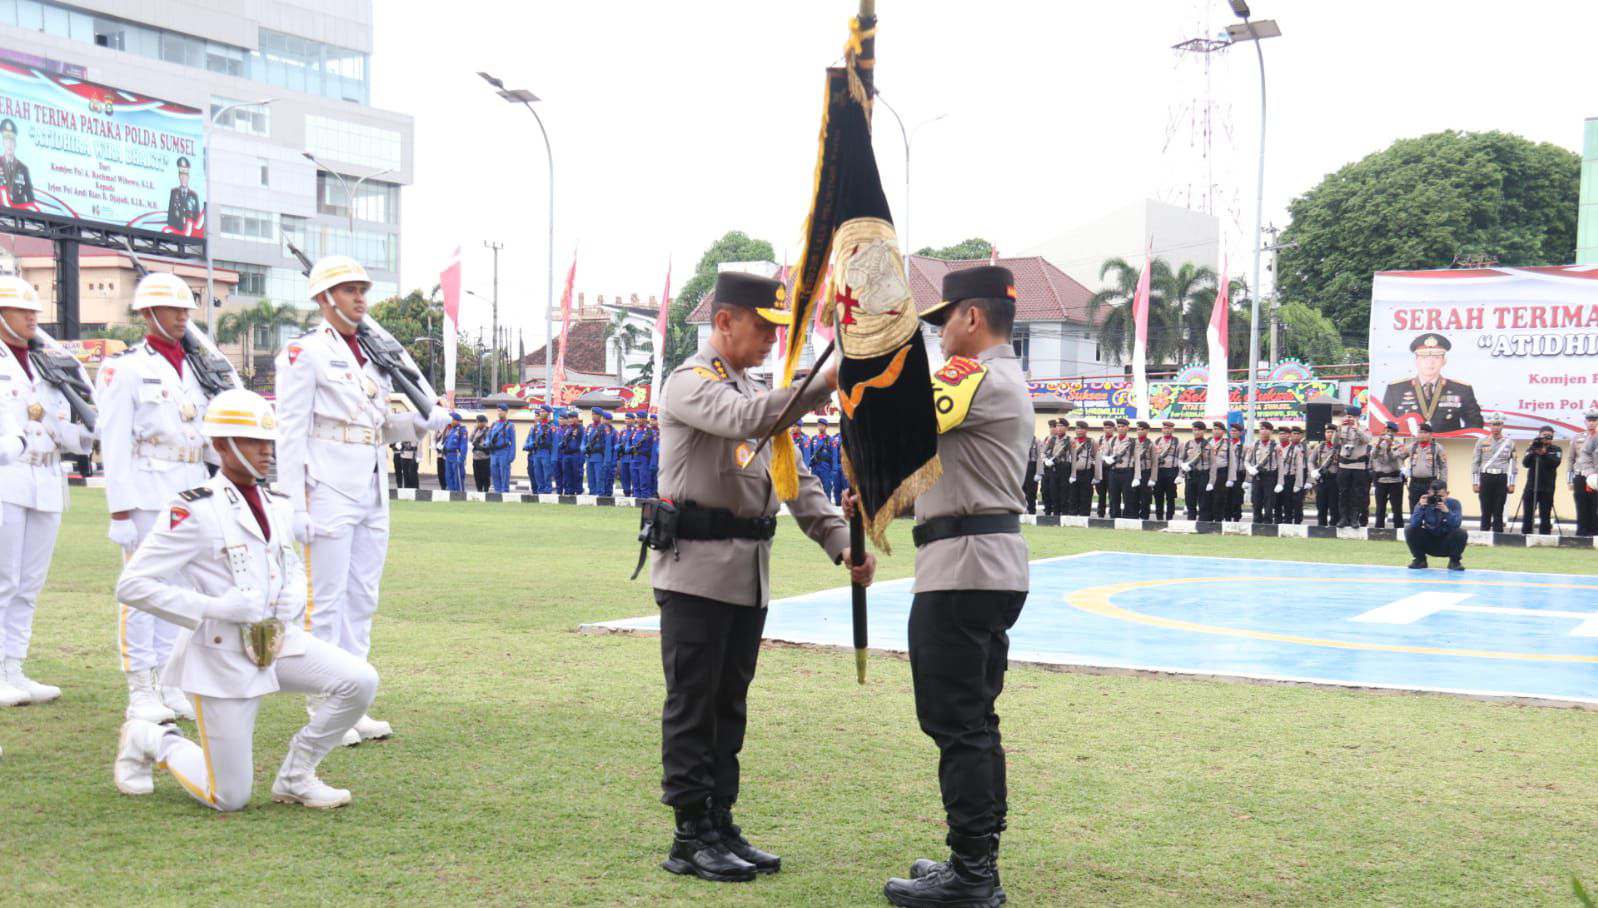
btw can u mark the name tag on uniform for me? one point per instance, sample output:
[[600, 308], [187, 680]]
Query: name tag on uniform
[[152, 381], [338, 364]]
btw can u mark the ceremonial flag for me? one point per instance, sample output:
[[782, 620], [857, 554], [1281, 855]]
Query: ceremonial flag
[[1217, 401], [889, 426], [1140, 339], [565, 329], [449, 283], [661, 324]]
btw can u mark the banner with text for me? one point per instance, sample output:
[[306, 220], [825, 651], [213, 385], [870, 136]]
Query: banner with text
[[1096, 401], [1451, 348]]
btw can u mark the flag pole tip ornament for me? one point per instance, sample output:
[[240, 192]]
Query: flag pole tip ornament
[[981, 282], [766, 297]]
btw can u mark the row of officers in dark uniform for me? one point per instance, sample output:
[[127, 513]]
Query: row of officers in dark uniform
[[1127, 471]]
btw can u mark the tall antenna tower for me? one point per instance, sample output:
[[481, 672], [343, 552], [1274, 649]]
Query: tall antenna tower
[[1198, 134]]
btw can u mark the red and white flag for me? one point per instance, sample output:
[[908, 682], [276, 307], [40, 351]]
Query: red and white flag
[[565, 329], [1140, 339], [1217, 400], [662, 322], [449, 283]]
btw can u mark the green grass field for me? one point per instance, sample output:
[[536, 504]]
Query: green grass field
[[526, 764]]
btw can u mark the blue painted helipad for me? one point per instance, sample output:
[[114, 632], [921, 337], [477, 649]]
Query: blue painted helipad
[[1483, 633]]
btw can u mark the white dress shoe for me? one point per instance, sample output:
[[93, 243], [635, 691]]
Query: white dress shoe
[[37, 693], [11, 696], [172, 698], [351, 738], [371, 729], [310, 791], [144, 701], [137, 750]]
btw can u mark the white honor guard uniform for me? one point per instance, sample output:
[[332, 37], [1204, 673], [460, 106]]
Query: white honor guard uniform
[[238, 590], [152, 449], [35, 430], [337, 424]]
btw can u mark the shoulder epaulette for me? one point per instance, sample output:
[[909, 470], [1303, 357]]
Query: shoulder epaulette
[[196, 494], [123, 352]]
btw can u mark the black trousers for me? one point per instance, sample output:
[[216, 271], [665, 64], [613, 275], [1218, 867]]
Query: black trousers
[[1290, 502], [1354, 494], [1234, 502], [1062, 488], [1103, 488], [1029, 487], [443, 470], [1193, 492], [959, 650], [1544, 505], [1422, 543], [1418, 487], [1165, 493], [481, 473], [1327, 507], [1047, 488], [1494, 492], [1586, 507], [1390, 493], [1123, 498], [1215, 504], [1081, 494], [1264, 493], [708, 650]]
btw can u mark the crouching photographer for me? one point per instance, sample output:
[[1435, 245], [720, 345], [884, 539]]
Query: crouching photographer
[[1434, 529]]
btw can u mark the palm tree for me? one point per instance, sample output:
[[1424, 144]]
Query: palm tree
[[1118, 331], [624, 337], [242, 325], [1197, 321], [1182, 291]]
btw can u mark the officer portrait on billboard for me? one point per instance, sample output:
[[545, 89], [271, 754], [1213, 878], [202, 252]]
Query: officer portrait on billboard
[[1447, 404], [183, 206], [15, 182]]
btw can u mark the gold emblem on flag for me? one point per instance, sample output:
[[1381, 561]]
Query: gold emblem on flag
[[871, 303]]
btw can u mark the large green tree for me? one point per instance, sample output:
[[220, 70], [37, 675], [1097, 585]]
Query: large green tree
[[1307, 335], [417, 322], [1426, 203], [734, 246], [974, 248]]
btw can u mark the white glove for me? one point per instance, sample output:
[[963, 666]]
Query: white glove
[[1592, 482], [434, 421], [1073, 477], [1210, 487], [1108, 458], [1230, 483], [1404, 472], [1136, 483], [123, 533], [38, 440], [1314, 475], [1252, 470], [236, 606], [303, 530], [1278, 488]]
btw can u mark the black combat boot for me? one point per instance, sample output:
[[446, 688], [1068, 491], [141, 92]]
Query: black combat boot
[[733, 837], [966, 879], [697, 849], [924, 866]]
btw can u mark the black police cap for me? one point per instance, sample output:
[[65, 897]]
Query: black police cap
[[1081, 424], [1266, 424], [767, 297], [1199, 424], [982, 282], [1430, 342], [1142, 424], [8, 126], [183, 163], [1424, 427]]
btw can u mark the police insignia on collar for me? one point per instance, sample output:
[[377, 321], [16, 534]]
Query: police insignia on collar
[[195, 494]]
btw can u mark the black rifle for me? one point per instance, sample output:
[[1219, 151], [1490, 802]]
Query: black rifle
[[383, 350], [211, 369], [60, 370]]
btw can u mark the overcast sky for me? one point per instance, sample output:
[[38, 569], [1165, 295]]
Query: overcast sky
[[675, 122]]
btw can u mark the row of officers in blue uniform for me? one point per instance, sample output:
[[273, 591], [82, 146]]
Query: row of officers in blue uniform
[[567, 457]]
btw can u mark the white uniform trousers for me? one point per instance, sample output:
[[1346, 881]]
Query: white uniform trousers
[[218, 769], [27, 542], [143, 641], [345, 563]]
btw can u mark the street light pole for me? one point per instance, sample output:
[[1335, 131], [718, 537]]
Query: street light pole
[[494, 307], [908, 137], [349, 191], [526, 98], [1255, 32], [210, 225]]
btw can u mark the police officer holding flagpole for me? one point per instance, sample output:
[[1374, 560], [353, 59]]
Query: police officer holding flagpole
[[971, 581], [711, 579], [332, 401]]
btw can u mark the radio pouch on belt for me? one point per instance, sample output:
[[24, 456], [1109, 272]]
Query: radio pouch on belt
[[657, 529]]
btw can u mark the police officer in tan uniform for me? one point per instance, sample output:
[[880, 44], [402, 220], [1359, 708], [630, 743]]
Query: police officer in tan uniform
[[1084, 471], [1195, 469], [970, 584], [713, 583]]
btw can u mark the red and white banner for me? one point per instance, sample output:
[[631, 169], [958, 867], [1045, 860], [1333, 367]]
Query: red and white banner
[[565, 326], [449, 283], [1454, 347], [1140, 339], [1216, 402], [662, 326]]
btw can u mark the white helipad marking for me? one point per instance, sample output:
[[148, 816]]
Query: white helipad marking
[[1410, 609]]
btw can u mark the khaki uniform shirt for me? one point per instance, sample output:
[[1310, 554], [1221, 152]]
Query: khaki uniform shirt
[[983, 457], [1167, 453], [1223, 466], [1584, 451], [1323, 458], [1353, 449], [1494, 455], [711, 420], [1294, 471], [1084, 460], [1387, 459], [1196, 455], [1263, 456], [1427, 460]]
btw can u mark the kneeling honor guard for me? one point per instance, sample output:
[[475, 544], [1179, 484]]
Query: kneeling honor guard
[[220, 562], [711, 531], [971, 581]]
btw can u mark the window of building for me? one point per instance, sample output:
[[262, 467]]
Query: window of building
[[1022, 339], [353, 143], [310, 66], [252, 278], [287, 285], [248, 224], [374, 201], [266, 172], [254, 120]]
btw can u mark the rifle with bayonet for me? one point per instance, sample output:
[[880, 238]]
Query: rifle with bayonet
[[61, 371], [211, 369], [384, 351]]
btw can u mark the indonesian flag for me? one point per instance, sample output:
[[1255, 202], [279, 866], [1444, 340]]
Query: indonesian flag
[[450, 283], [1140, 341], [565, 329], [661, 322], [1217, 399]]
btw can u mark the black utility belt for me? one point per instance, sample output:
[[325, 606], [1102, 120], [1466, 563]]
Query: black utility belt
[[694, 522], [937, 528], [1347, 463]]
